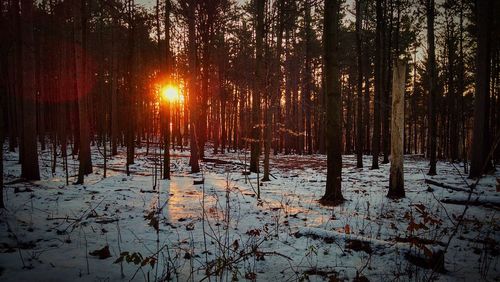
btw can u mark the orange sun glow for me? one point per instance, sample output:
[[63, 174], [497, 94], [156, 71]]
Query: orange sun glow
[[170, 93]]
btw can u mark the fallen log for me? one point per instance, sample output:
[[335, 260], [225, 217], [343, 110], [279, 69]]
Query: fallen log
[[446, 186], [473, 202]]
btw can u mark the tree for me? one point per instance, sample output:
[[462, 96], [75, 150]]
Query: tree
[[114, 87], [276, 97], [307, 80], [333, 192], [450, 44], [188, 8], [432, 87], [480, 138], [378, 85], [259, 80], [396, 178], [29, 152], [387, 77], [130, 131], [359, 119], [166, 137], [79, 23], [461, 83]]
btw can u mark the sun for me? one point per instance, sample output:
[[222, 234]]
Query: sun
[[170, 93]]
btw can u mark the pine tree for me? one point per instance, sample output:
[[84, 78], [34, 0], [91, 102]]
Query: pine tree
[[333, 192]]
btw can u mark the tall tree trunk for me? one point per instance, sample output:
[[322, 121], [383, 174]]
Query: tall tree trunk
[[452, 96], [359, 119], [276, 97], [267, 119], [387, 70], [333, 192], [414, 113], [378, 86], [104, 95], [306, 101], [130, 131], [259, 77], [366, 114], [114, 90], [193, 160], [480, 138], [431, 68], [349, 92], [223, 92], [267, 138], [85, 166], [396, 178], [15, 79], [29, 157], [168, 68]]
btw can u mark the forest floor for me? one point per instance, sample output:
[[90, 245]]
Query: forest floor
[[122, 228]]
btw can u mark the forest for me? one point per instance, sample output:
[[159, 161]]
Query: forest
[[230, 140]]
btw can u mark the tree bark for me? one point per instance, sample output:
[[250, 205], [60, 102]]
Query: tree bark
[[431, 68], [387, 75], [114, 90], [29, 157], [193, 160], [452, 96], [333, 192], [85, 166], [166, 139], [306, 101], [396, 178], [359, 119], [259, 77], [378, 86], [130, 131], [480, 140]]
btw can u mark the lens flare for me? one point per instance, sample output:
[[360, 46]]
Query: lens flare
[[170, 93]]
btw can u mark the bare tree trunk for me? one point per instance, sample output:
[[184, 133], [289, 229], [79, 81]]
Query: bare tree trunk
[[104, 96], [193, 161], [15, 80], [168, 68], [85, 166], [333, 192], [29, 157], [480, 141], [387, 71], [431, 68], [396, 178], [267, 115], [223, 93], [114, 90], [452, 93], [378, 86], [350, 112], [130, 131], [267, 139], [366, 114], [276, 97], [359, 119], [306, 101], [259, 77]]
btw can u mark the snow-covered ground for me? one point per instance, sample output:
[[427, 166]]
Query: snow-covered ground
[[219, 230]]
